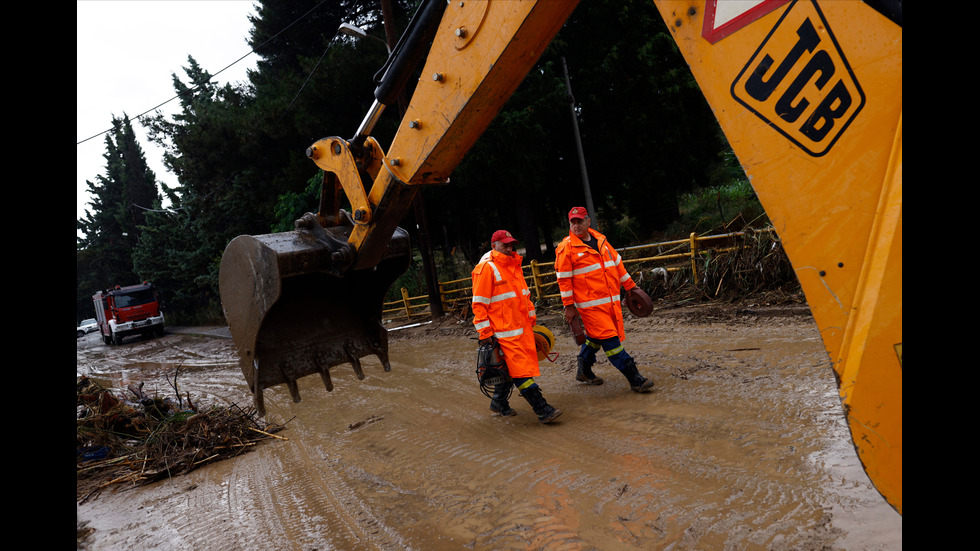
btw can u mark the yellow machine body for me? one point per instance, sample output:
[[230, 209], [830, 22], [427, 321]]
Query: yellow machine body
[[809, 95]]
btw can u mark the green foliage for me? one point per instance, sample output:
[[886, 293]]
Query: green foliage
[[450, 266], [413, 279], [291, 205], [714, 209]]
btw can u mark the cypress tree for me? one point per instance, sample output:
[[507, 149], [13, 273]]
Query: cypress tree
[[112, 225]]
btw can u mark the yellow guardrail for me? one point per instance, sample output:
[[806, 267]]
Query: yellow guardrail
[[455, 295], [406, 308]]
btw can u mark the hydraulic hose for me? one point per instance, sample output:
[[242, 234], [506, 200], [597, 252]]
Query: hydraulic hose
[[409, 50], [401, 63]]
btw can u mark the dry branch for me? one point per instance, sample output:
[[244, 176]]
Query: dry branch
[[119, 441]]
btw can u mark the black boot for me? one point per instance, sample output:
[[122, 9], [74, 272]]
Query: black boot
[[498, 402], [638, 383], [545, 413], [585, 374]]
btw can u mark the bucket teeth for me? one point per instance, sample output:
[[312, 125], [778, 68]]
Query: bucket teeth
[[354, 361], [325, 377], [258, 398], [323, 368], [293, 390]]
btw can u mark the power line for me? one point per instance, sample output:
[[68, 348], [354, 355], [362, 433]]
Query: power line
[[169, 100], [144, 113], [318, 62]]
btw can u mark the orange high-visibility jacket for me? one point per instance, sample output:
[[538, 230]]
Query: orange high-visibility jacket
[[590, 280], [502, 308]]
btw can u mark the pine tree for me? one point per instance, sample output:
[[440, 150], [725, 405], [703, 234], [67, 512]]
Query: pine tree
[[180, 249]]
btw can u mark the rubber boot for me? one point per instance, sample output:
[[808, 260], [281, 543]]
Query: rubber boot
[[638, 383], [545, 413], [498, 403], [586, 375]]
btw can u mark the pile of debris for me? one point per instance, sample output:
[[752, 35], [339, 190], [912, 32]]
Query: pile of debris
[[131, 438]]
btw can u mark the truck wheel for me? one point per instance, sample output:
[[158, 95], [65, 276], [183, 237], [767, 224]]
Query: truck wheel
[[116, 339]]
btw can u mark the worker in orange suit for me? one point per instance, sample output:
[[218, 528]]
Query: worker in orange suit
[[504, 316], [590, 273]]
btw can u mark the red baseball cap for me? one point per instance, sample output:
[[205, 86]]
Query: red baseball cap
[[578, 212], [503, 236]]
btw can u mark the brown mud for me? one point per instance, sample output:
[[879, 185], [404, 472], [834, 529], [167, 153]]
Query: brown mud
[[742, 445]]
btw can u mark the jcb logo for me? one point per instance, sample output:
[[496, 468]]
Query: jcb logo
[[799, 82]]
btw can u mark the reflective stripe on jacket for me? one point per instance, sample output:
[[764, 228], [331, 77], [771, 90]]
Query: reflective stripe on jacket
[[502, 308], [590, 280]]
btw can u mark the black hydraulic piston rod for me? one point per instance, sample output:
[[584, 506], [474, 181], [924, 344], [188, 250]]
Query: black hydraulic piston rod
[[404, 58]]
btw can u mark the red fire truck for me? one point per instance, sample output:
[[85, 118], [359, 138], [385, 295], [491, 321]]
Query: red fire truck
[[130, 310]]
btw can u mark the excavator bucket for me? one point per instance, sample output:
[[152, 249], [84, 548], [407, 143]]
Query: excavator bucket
[[294, 309]]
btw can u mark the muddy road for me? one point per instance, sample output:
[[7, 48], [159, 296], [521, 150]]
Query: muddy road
[[742, 445]]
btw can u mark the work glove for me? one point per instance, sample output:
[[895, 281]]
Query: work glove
[[489, 341]]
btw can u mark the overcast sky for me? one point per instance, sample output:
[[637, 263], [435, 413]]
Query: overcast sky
[[127, 51]]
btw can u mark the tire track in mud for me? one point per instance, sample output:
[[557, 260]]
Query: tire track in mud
[[631, 492], [752, 469], [755, 463], [462, 466], [207, 365], [311, 496], [475, 485]]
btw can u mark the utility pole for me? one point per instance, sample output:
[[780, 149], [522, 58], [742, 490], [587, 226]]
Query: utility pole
[[425, 247], [578, 145]]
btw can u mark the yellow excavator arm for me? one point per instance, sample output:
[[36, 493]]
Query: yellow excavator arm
[[480, 53], [807, 92]]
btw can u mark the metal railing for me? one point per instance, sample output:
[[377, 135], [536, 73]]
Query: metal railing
[[672, 256], [406, 308]]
